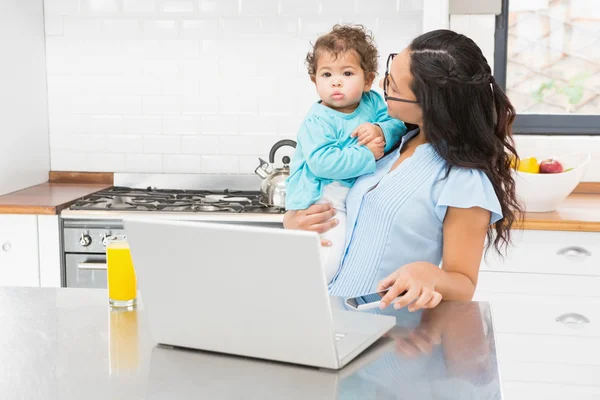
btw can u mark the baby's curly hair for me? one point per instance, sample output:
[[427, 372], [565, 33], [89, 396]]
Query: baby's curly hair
[[345, 38]]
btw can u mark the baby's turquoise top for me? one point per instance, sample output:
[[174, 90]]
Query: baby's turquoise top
[[326, 153]]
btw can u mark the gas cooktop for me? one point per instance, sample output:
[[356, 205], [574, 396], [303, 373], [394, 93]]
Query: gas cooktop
[[119, 198]]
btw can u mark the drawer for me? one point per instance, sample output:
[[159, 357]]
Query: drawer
[[538, 284], [549, 252], [548, 299], [548, 391], [550, 373], [548, 349], [539, 319]]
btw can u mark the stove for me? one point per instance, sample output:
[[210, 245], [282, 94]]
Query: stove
[[90, 220], [127, 199]]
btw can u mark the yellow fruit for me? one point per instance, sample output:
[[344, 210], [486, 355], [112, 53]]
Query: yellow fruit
[[529, 165], [513, 162]]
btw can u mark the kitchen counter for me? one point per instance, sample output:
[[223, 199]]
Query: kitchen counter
[[579, 212], [46, 198], [67, 344]]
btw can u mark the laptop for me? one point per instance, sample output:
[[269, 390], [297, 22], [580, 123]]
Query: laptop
[[244, 290]]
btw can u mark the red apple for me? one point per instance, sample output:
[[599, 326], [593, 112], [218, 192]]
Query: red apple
[[550, 166]]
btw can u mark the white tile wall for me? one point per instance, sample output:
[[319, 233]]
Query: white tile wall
[[203, 86]]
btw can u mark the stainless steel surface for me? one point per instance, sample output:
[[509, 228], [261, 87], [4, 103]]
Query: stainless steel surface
[[273, 187], [97, 231], [128, 199], [107, 224], [92, 265], [67, 344], [84, 251], [90, 220], [85, 270]]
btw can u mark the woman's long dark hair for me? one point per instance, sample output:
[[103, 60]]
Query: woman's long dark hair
[[467, 118]]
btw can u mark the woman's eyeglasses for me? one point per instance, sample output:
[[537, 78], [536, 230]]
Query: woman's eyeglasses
[[385, 82]]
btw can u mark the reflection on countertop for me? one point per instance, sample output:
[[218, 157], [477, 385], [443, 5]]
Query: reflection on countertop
[[68, 344]]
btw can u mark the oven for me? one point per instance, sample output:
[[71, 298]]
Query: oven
[[84, 251]]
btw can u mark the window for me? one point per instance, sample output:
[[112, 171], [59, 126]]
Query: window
[[548, 60]]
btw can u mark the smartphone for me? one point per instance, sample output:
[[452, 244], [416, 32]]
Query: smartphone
[[368, 301]]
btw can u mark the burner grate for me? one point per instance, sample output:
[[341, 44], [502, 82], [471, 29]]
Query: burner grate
[[118, 198]]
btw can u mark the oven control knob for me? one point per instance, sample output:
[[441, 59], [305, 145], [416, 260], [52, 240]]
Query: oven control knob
[[85, 240], [105, 238]]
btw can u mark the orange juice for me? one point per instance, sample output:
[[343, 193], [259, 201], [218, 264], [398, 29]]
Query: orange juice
[[120, 273]]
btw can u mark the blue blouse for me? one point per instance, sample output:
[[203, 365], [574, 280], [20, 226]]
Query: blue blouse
[[400, 221]]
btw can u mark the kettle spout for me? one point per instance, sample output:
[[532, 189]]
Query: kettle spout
[[262, 170]]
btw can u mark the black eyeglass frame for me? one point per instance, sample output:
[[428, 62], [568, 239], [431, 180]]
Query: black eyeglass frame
[[385, 83]]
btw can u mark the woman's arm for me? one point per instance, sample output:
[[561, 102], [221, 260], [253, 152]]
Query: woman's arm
[[464, 233], [465, 230], [316, 218]]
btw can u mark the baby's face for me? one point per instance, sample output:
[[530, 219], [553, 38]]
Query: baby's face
[[340, 81]]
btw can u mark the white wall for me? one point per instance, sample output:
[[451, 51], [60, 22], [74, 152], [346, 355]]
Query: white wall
[[24, 156], [199, 86]]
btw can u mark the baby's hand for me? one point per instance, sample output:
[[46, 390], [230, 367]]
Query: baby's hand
[[376, 146], [367, 132]]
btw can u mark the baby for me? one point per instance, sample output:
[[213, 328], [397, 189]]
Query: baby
[[343, 134]]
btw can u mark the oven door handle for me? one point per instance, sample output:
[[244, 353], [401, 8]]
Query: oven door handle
[[87, 265]]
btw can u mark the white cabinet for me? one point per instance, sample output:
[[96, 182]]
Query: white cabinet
[[49, 249], [556, 346], [549, 252], [19, 257], [29, 250], [544, 266]]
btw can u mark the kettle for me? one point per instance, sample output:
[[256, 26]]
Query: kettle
[[272, 186]]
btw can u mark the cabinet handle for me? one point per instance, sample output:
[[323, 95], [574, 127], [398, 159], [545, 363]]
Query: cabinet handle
[[574, 252], [92, 265], [572, 319], [6, 247]]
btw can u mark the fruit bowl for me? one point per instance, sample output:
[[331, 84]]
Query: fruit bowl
[[543, 192]]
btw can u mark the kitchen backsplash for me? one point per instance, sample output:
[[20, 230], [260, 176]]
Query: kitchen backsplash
[[198, 86]]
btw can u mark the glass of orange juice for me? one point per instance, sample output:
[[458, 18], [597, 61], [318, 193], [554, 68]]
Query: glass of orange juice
[[122, 286]]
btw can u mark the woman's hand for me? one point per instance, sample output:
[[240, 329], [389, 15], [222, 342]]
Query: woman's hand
[[418, 280], [316, 218]]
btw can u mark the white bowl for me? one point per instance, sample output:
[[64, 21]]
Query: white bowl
[[544, 192]]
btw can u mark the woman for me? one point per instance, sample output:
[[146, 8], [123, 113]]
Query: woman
[[437, 197]]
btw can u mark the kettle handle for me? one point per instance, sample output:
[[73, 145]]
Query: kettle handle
[[276, 146]]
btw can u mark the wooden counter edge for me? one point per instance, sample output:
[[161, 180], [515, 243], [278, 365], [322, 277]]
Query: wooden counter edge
[[24, 209], [564, 225], [81, 177]]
